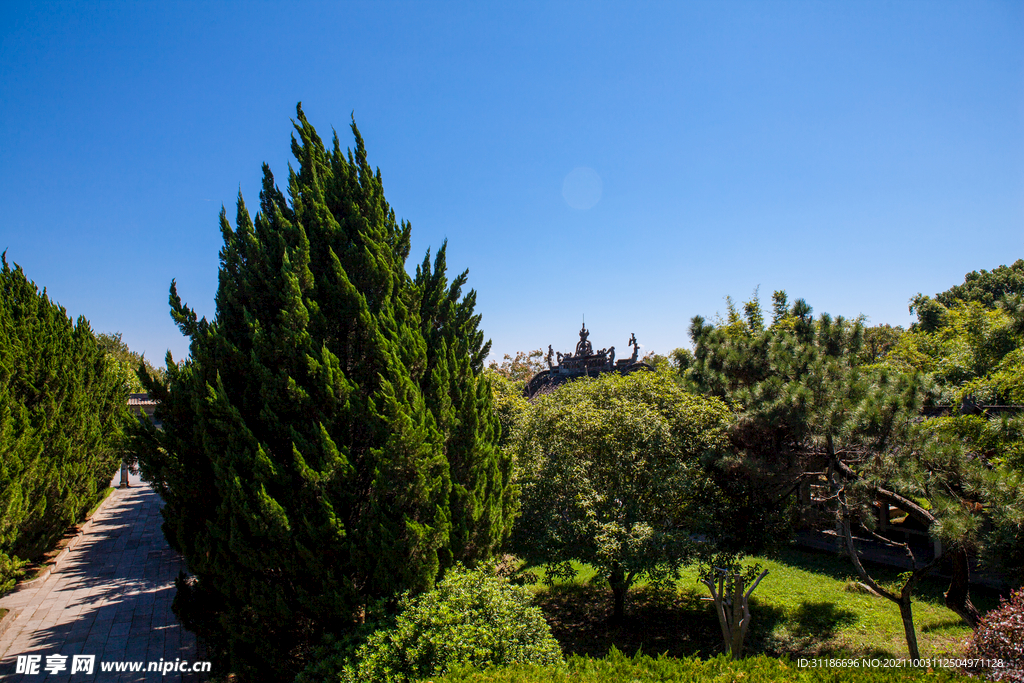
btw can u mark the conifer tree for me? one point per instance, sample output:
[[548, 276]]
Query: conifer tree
[[329, 441], [806, 407], [63, 413], [460, 398]]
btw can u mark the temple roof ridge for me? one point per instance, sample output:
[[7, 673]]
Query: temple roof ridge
[[585, 361]]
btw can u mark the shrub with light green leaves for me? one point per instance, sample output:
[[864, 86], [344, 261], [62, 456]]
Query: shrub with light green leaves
[[471, 618]]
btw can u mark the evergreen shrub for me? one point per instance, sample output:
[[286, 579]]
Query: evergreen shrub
[[330, 440]]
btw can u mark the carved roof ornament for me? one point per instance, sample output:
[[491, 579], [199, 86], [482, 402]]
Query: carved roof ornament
[[584, 362], [583, 348]]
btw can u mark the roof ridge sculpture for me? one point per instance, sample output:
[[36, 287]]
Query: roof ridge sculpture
[[584, 362]]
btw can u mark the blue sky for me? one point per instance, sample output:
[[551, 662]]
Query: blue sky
[[631, 162]]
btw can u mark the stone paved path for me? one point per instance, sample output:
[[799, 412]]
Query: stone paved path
[[111, 598]]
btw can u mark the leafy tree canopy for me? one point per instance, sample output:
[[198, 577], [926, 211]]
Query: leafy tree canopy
[[976, 351], [124, 361], [982, 287], [611, 475], [807, 406], [521, 368], [986, 287]]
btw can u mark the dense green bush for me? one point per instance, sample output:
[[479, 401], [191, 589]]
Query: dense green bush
[[472, 618], [618, 668], [63, 412]]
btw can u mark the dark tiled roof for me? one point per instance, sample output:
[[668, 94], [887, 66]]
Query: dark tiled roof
[[141, 400]]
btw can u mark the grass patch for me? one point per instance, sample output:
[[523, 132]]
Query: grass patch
[[803, 608]]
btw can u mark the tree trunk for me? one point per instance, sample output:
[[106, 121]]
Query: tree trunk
[[738, 614], [903, 599], [617, 580], [958, 597], [906, 612]]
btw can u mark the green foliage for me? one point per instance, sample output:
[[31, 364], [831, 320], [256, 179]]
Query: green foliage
[[63, 412], [460, 399], [521, 368], [796, 386], [471, 618], [805, 393], [806, 404], [986, 287], [124, 361], [618, 668], [611, 475], [975, 352], [330, 442], [970, 340], [680, 360], [10, 571], [1000, 636], [878, 341], [510, 405], [988, 290]]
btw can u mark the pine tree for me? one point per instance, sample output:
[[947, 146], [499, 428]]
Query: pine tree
[[329, 441], [805, 407]]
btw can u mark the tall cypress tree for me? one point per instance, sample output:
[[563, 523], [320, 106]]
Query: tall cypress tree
[[311, 440], [63, 413], [459, 397]]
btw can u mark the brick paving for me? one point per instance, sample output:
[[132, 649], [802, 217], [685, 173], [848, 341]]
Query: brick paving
[[111, 597]]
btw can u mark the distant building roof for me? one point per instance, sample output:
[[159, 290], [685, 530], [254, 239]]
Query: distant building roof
[[141, 401], [584, 362]]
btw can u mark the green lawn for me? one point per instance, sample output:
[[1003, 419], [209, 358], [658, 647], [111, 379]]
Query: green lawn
[[804, 607]]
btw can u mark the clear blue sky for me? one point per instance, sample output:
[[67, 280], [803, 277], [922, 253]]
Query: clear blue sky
[[851, 153]]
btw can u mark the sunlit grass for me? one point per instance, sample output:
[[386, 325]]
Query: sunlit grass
[[804, 607]]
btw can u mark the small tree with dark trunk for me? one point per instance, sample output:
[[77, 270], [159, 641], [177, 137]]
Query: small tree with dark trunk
[[611, 476]]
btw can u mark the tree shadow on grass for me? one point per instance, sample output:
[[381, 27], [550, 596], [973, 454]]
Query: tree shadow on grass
[[931, 589], [658, 621], [945, 624], [810, 630], [821, 619]]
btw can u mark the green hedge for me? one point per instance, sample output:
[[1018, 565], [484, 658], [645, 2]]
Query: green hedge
[[618, 668], [63, 412]]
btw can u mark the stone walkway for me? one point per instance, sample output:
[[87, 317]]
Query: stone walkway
[[111, 597]]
